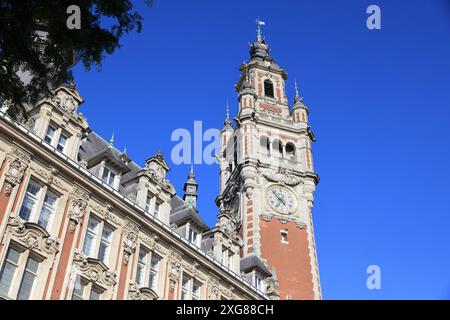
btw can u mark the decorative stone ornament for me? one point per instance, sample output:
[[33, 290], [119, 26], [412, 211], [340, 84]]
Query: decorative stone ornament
[[77, 207], [130, 240], [18, 163], [137, 293], [94, 270], [174, 269], [281, 177], [213, 289], [33, 236]]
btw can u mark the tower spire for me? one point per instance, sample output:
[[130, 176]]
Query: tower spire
[[191, 189], [297, 96], [227, 121], [259, 24]]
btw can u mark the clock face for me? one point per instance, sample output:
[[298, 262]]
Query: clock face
[[281, 199]]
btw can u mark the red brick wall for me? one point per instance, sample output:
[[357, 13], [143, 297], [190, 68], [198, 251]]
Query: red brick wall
[[291, 261]]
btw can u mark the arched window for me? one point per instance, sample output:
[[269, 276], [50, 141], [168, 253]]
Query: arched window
[[290, 151], [265, 146], [235, 152], [277, 148], [268, 88]]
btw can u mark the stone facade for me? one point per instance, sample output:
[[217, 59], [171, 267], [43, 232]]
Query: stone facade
[[80, 220]]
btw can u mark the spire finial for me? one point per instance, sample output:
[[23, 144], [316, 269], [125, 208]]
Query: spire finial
[[227, 119], [259, 23], [297, 96], [111, 142]]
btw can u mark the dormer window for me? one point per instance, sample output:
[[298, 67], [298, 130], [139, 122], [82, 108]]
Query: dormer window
[[61, 142], [268, 88], [193, 236], [108, 176], [157, 208], [50, 134], [258, 282]]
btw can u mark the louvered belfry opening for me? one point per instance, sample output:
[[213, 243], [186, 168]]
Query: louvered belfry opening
[[268, 88]]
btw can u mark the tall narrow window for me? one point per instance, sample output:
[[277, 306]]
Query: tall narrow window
[[95, 294], [28, 278], [91, 237], [108, 177], [154, 269], [78, 290], [61, 142], [8, 270], [193, 236], [185, 288], [140, 273], [105, 244], [148, 204], [268, 88], [196, 290], [48, 210], [265, 146], [50, 135], [230, 260], [157, 208], [30, 201]]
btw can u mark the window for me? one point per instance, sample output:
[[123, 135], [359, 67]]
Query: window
[[48, 210], [185, 288], [38, 199], [105, 244], [108, 176], [290, 151], [83, 290], [98, 239], [148, 204], [265, 145], [193, 236], [30, 201], [91, 237], [230, 260], [10, 272], [196, 290], [277, 148], [284, 236], [268, 88], [190, 288], [61, 142], [79, 288], [157, 207], [95, 294], [258, 282], [50, 134], [147, 269]]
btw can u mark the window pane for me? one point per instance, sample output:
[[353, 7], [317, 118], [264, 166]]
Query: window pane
[[8, 270], [29, 201], [61, 143], [95, 294], [147, 204], [78, 289], [49, 135], [48, 210], [105, 244], [154, 268], [196, 290], [28, 278], [140, 273]]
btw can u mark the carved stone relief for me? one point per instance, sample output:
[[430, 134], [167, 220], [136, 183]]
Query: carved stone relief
[[18, 163]]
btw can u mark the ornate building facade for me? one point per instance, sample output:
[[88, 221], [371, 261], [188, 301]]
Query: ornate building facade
[[80, 220]]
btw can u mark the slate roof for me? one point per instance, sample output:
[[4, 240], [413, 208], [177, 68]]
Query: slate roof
[[181, 213], [251, 262]]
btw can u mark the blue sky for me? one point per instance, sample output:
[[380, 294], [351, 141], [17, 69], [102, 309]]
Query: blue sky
[[380, 108]]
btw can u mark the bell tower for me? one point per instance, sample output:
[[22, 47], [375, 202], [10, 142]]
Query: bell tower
[[268, 180]]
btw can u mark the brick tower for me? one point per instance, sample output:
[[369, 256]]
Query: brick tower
[[267, 181]]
